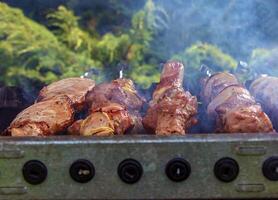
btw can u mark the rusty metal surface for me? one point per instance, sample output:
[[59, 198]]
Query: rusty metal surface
[[201, 151]]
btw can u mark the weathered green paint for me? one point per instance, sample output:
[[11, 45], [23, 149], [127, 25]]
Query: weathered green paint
[[202, 151]]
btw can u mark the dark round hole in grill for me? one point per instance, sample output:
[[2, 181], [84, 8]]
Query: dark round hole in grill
[[82, 171], [270, 168], [226, 169], [34, 172], [130, 171], [178, 169]]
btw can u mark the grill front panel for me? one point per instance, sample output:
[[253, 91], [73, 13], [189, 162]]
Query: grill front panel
[[201, 152]]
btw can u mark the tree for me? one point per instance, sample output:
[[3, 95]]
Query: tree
[[131, 47], [32, 54]]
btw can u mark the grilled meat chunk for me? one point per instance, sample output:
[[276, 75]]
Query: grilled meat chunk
[[243, 119], [74, 88], [45, 118], [264, 89], [98, 124], [171, 77], [215, 84], [108, 120], [232, 108], [119, 116], [233, 94], [123, 93], [173, 114], [120, 91], [171, 110]]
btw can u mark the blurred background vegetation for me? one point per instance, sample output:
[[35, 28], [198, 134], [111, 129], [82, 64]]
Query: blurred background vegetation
[[44, 41]]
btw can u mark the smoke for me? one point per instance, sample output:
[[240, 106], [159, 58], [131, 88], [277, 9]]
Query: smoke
[[236, 26]]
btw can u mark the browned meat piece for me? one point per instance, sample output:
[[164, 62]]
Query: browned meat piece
[[104, 121], [45, 118], [215, 84], [98, 124], [171, 77], [234, 94], [171, 110], [174, 113], [121, 91], [151, 118], [243, 119], [264, 89], [119, 116], [232, 108], [74, 88]]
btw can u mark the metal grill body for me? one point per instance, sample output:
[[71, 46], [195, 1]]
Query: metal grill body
[[153, 153]]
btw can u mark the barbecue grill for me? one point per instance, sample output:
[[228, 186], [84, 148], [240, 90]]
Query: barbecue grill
[[210, 166], [85, 81]]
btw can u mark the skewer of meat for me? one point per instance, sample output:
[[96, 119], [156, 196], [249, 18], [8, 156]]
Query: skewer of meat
[[171, 110], [113, 110], [231, 107], [45, 118], [264, 89], [54, 109]]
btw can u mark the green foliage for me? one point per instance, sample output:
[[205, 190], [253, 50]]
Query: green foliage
[[29, 51], [202, 53], [111, 49], [131, 47], [65, 26], [105, 16], [145, 75], [142, 33]]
